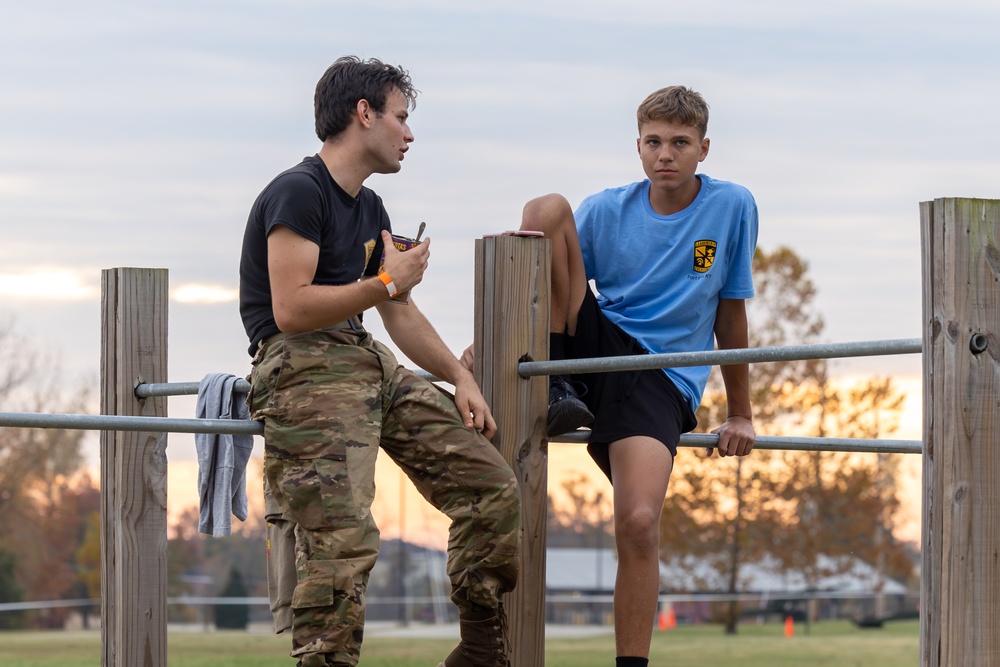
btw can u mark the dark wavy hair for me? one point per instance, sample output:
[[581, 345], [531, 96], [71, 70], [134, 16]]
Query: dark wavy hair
[[350, 80]]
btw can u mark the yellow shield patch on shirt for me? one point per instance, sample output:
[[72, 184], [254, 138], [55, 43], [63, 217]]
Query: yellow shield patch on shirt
[[704, 255], [369, 249]]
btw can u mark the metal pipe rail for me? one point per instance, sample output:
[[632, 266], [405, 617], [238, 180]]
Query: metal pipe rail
[[247, 427], [429, 599], [151, 389], [127, 423], [639, 362], [528, 369], [787, 443], [155, 389]]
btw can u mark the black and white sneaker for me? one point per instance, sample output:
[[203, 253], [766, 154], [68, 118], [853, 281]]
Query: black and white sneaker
[[566, 411]]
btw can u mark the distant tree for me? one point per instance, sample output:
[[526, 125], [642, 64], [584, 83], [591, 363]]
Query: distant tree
[[88, 556], [17, 368], [246, 548], [58, 532], [840, 505], [10, 591], [785, 504], [45, 492], [195, 560], [585, 520], [233, 616], [185, 558], [88, 561]]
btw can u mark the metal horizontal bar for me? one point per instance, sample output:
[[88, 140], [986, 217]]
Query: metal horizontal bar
[[550, 598], [636, 362], [194, 600], [786, 443], [151, 389], [128, 423], [223, 426], [48, 604], [751, 596], [200, 600], [722, 357], [247, 427]]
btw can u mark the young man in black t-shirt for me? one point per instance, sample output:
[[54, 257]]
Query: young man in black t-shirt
[[330, 396]]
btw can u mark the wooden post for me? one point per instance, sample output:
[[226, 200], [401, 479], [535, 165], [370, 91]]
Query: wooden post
[[512, 324], [133, 471], [960, 576]]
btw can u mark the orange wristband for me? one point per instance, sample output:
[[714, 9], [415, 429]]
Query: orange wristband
[[389, 285]]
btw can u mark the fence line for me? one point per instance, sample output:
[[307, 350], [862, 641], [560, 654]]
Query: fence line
[[145, 390], [247, 427], [556, 598], [639, 362], [788, 443], [48, 604], [154, 389], [129, 424], [961, 463]]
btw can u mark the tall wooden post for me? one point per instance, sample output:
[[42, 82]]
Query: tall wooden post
[[512, 324], [133, 471], [960, 577]]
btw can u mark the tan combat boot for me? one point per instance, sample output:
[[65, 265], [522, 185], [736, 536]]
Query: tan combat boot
[[484, 640]]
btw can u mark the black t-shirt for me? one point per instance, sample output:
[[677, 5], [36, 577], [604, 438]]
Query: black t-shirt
[[308, 201]]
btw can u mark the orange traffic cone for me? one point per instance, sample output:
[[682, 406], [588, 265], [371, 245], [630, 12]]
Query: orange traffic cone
[[671, 619], [789, 626], [662, 621]]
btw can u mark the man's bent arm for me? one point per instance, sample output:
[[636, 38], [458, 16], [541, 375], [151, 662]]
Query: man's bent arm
[[736, 436], [417, 339], [298, 305]]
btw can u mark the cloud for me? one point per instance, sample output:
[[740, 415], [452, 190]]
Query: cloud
[[195, 293], [139, 135], [15, 184], [50, 284]]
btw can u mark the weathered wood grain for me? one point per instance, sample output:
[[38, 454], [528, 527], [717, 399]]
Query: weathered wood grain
[[133, 471], [512, 284], [960, 577]]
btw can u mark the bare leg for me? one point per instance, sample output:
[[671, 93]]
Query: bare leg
[[553, 215], [640, 467]]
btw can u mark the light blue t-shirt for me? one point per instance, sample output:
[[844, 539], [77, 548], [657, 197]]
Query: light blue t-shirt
[[660, 277]]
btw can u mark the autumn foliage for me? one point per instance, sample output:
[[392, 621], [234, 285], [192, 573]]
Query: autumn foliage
[[798, 508], [46, 499]]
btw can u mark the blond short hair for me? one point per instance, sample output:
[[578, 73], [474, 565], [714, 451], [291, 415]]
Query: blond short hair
[[677, 104]]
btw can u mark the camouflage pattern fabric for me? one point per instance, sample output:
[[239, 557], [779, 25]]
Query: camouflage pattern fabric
[[329, 399], [281, 577]]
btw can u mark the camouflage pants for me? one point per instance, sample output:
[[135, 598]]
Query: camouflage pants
[[281, 577], [329, 399]]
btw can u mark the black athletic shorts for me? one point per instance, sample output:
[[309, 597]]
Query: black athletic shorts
[[624, 403]]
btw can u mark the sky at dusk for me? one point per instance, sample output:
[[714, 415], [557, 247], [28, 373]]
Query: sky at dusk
[[139, 134]]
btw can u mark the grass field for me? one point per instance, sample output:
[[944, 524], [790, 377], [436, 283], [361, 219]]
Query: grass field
[[831, 643]]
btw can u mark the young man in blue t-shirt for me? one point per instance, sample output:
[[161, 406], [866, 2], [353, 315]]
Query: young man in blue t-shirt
[[670, 258]]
